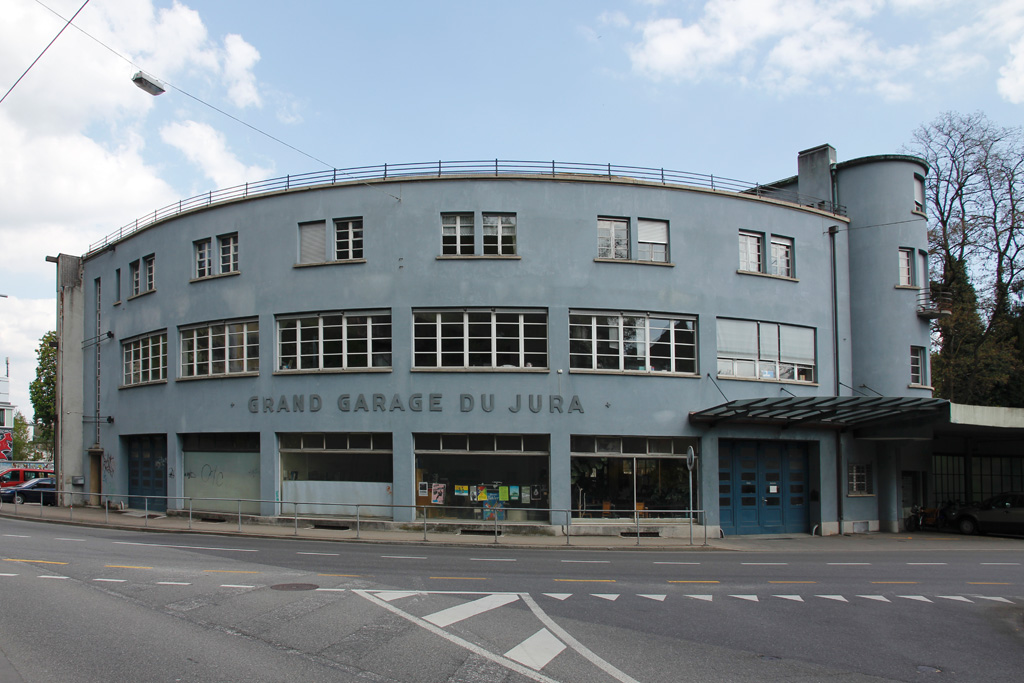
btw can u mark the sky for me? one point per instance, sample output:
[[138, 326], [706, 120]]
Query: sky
[[260, 89]]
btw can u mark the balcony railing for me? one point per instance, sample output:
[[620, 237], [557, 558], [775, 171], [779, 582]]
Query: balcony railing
[[933, 304], [437, 169]]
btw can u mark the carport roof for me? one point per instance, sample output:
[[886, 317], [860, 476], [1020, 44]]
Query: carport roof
[[817, 411]]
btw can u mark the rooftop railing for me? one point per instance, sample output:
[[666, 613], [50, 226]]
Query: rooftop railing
[[438, 169]]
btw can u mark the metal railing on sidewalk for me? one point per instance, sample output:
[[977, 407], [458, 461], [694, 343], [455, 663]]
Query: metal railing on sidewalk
[[643, 523]]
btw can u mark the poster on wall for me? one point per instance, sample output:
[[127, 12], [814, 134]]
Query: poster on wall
[[437, 494], [513, 492], [525, 496], [535, 492], [424, 491], [461, 490], [6, 444]]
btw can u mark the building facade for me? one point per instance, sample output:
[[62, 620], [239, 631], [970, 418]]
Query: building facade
[[523, 341], [7, 410]]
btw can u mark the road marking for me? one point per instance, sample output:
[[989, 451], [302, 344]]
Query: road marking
[[124, 566], [558, 596], [402, 557], [576, 645], [585, 580], [48, 576], [75, 540], [173, 583], [388, 596], [848, 564], [610, 597], [986, 597], [348, 576], [705, 598], [447, 617], [461, 642], [837, 598], [324, 554], [35, 561], [491, 559], [677, 563], [229, 571], [794, 598], [8, 574], [111, 580], [537, 651], [460, 578], [235, 585], [586, 561], [187, 547], [958, 598], [332, 590], [879, 598], [16, 536], [659, 598], [919, 598], [695, 581], [897, 582], [765, 564], [1000, 564], [751, 598], [924, 564]]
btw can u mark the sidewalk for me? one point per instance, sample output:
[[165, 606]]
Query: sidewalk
[[511, 536]]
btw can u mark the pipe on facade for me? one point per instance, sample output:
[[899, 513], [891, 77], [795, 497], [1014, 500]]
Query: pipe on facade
[[833, 230]]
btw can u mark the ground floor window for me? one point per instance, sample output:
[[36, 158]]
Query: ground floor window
[[336, 473], [483, 476], [221, 471], [617, 476], [971, 479]]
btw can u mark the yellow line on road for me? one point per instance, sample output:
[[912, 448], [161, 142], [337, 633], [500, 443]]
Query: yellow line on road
[[124, 566], [36, 561], [585, 580], [228, 571], [461, 578], [694, 581]]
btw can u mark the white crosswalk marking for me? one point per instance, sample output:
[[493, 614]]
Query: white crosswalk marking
[[447, 617], [611, 597], [706, 598], [919, 598], [837, 598], [958, 598], [751, 598], [659, 598], [986, 597], [537, 650], [794, 598], [879, 598]]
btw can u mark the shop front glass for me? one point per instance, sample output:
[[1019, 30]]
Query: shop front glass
[[483, 477], [618, 477]]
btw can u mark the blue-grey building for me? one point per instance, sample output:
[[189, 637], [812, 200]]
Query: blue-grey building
[[538, 338]]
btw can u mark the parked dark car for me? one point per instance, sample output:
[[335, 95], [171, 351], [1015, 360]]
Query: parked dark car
[[1002, 514], [42, 490]]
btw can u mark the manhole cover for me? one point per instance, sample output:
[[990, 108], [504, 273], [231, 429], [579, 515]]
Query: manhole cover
[[295, 587]]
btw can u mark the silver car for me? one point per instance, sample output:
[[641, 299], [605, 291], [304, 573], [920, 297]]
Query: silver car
[[1002, 514]]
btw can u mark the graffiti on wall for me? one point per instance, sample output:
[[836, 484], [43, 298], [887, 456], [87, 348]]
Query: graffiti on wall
[[6, 444], [108, 464]]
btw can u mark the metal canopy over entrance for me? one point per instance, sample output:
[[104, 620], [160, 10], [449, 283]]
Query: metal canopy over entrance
[[828, 411]]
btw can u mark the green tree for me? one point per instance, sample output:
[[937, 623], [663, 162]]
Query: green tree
[[22, 441], [43, 389]]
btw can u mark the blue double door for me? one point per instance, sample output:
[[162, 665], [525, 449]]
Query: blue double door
[[763, 487]]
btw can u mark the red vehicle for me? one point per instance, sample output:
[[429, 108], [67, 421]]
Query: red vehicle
[[12, 476]]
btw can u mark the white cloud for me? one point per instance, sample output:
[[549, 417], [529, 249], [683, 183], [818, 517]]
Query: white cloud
[[239, 59], [1011, 75], [207, 148], [615, 19], [25, 321]]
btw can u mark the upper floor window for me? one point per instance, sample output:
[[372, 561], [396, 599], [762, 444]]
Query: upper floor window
[[204, 258], [906, 268], [480, 338], [918, 360], [220, 349], [632, 341], [144, 359], [457, 237], [334, 341], [499, 234], [766, 351], [228, 253], [348, 239], [652, 240], [143, 274], [918, 193], [750, 251], [781, 256], [613, 238]]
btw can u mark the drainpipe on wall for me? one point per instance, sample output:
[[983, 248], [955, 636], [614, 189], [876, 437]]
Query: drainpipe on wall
[[833, 230]]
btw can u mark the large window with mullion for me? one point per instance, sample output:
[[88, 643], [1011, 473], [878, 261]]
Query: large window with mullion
[[222, 348], [457, 234], [337, 340], [767, 351], [499, 234], [145, 359], [480, 338], [638, 342]]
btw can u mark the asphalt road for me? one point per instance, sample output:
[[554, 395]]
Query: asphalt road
[[84, 604]]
